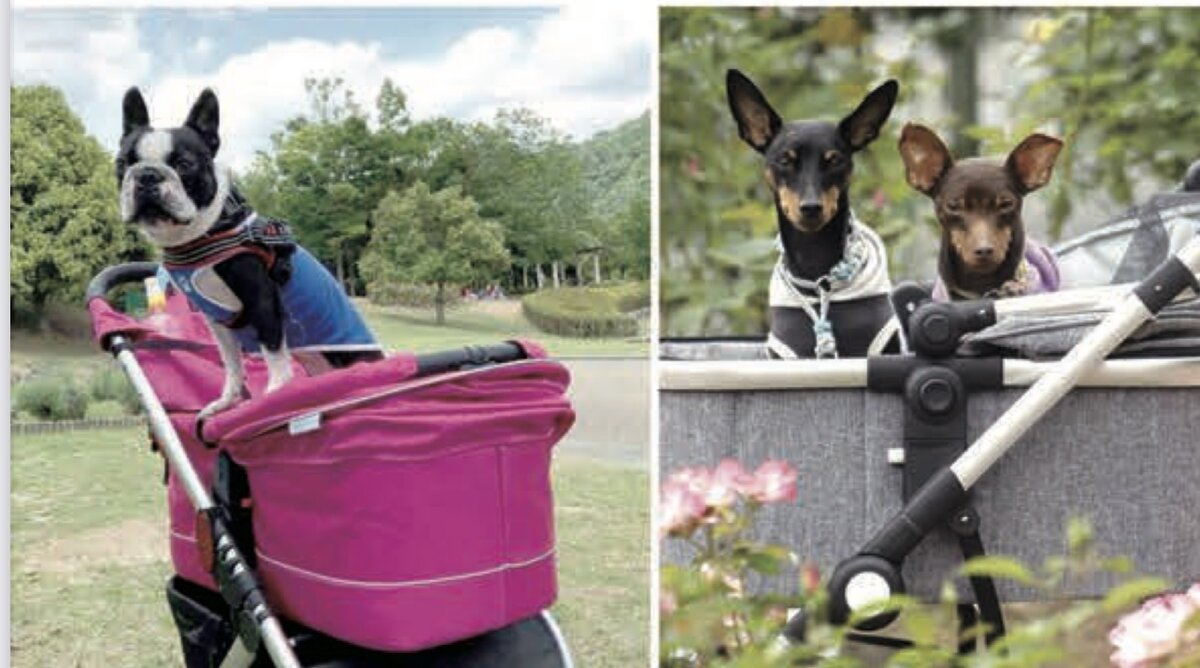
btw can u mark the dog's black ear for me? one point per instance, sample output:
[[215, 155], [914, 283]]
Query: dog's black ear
[[133, 111], [926, 158], [1032, 161], [862, 126], [757, 122], [205, 117]]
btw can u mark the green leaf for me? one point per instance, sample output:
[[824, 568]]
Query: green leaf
[[999, 567], [1130, 593]]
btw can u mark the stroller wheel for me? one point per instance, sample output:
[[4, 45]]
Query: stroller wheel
[[534, 642], [859, 583]]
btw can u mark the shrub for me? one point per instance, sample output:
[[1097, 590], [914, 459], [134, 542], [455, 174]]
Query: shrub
[[99, 410], [112, 385], [69, 320], [408, 294], [51, 398], [588, 311]]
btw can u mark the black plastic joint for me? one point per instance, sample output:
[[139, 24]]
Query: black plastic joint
[[1165, 283], [932, 505]]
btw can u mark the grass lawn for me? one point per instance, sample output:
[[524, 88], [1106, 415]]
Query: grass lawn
[[89, 555]]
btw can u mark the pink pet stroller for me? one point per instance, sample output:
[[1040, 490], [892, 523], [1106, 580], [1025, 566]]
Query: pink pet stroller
[[394, 513]]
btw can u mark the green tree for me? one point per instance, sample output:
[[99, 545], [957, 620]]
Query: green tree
[[65, 226], [327, 170], [433, 238]]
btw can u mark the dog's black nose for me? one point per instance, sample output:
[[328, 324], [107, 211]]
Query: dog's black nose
[[149, 179], [984, 252], [810, 210]]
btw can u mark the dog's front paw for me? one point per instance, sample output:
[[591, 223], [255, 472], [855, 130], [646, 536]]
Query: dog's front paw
[[223, 403]]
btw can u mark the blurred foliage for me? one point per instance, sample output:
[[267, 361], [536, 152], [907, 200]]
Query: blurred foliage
[[1113, 82], [711, 620]]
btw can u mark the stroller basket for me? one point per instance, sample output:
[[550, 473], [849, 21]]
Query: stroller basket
[[397, 505]]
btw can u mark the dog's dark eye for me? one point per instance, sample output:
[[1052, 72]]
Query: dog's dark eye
[[183, 164], [954, 205], [832, 158], [1006, 204]]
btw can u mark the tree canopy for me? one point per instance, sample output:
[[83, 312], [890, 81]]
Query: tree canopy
[[435, 238], [65, 226]]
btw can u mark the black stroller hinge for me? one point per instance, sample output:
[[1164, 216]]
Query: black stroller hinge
[[936, 390], [237, 583], [231, 493]]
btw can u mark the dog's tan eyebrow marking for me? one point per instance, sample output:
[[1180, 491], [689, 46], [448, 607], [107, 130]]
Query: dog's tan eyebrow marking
[[154, 146]]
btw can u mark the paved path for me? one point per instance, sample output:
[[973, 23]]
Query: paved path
[[612, 406]]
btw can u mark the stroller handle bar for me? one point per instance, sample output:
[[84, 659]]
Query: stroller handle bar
[[111, 277]]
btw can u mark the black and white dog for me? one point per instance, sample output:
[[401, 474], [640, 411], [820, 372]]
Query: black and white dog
[[259, 291]]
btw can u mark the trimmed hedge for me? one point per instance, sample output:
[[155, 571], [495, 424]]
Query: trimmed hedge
[[409, 294], [588, 312]]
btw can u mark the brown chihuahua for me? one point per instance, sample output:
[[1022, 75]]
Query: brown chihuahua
[[978, 203]]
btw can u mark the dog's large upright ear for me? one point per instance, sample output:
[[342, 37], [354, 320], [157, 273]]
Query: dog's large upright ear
[[757, 122], [133, 112], [1031, 162], [926, 158], [862, 126], [204, 118]]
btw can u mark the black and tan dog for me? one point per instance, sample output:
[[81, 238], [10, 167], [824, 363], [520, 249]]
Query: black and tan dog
[[829, 291], [985, 251]]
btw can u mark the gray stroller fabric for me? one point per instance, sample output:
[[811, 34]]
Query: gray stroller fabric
[[1126, 458], [1175, 332], [713, 349]]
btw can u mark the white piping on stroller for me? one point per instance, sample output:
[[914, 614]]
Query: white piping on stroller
[[404, 584]]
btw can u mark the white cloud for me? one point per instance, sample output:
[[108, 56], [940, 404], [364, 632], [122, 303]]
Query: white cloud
[[573, 68], [91, 56]]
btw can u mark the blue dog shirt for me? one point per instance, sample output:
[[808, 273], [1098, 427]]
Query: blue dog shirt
[[319, 316]]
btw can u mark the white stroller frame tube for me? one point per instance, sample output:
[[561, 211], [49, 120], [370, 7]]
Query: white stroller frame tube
[[1050, 388], [270, 632]]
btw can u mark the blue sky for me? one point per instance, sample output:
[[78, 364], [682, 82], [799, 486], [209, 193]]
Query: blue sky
[[584, 67]]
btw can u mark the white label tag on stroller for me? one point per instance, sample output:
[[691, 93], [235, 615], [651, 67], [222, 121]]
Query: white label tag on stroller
[[304, 424]]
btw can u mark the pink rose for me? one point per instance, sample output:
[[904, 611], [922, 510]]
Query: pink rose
[[1155, 630], [776, 482], [695, 479], [729, 480], [680, 509]]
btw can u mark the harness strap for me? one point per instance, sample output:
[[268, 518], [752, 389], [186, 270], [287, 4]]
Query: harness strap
[[268, 239]]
